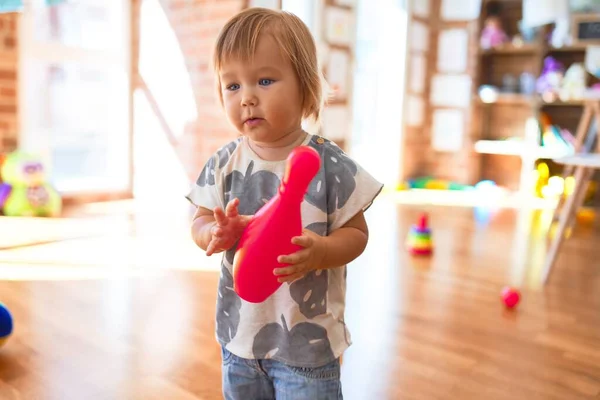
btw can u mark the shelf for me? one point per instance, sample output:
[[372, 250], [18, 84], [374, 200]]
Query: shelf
[[560, 103], [567, 49], [526, 48], [516, 148], [523, 99], [511, 98], [532, 48]]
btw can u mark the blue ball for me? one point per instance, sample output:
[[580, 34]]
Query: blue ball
[[6, 322]]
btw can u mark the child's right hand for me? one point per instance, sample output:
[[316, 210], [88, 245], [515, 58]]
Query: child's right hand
[[228, 227]]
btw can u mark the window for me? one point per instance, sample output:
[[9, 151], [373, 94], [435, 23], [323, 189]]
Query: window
[[75, 85]]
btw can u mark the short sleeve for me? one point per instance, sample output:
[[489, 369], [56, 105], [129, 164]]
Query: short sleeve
[[358, 196], [204, 192], [207, 192], [342, 188]]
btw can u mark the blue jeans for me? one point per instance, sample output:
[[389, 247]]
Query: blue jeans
[[269, 379]]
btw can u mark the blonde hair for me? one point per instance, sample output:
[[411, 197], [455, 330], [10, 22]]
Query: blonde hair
[[239, 38]]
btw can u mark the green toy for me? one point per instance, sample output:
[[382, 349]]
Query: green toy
[[24, 191]]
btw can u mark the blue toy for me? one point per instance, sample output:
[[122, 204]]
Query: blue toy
[[6, 324]]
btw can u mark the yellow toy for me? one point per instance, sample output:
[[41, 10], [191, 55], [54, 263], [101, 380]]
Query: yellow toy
[[24, 191]]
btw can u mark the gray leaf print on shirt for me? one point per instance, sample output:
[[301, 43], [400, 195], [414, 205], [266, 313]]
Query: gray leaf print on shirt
[[230, 254], [225, 152], [228, 307], [320, 228], [253, 190], [331, 191], [207, 176], [310, 291], [300, 344]]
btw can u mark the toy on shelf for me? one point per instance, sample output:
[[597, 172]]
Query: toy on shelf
[[24, 190], [492, 34], [573, 85], [488, 93], [592, 63], [527, 83], [510, 297], [586, 215], [419, 241], [549, 83], [6, 324]]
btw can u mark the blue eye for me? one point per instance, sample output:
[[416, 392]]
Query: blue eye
[[233, 86], [265, 82]]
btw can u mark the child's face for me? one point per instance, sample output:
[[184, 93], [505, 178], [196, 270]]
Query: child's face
[[262, 99]]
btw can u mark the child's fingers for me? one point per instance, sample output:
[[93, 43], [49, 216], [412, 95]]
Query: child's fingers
[[304, 241], [245, 220], [220, 216], [292, 277], [217, 231], [210, 249], [294, 260], [231, 210]]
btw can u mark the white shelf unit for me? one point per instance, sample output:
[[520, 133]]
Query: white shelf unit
[[528, 150], [517, 148]]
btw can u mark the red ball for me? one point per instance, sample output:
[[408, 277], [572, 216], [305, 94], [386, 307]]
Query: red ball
[[510, 297]]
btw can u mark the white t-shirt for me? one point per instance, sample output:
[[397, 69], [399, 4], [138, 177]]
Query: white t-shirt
[[302, 323]]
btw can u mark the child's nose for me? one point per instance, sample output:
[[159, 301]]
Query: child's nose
[[249, 99]]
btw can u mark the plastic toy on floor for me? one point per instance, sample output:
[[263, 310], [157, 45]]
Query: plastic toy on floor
[[435, 184], [6, 324], [419, 242], [510, 297], [24, 190]]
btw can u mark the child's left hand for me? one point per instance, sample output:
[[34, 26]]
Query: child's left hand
[[304, 260]]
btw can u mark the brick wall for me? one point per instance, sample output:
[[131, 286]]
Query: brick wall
[[196, 24], [8, 82]]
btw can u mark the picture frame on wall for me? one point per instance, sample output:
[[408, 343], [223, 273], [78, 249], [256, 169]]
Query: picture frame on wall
[[347, 3], [339, 26], [460, 10], [272, 4], [448, 129], [453, 50], [419, 34], [421, 8], [337, 72], [418, 70], [585, 29], [336, 123]]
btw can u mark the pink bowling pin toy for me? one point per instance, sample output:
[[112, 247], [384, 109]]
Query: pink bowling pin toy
[[271, 229]]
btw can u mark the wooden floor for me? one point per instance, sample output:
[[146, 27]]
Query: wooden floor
[[118, 304]]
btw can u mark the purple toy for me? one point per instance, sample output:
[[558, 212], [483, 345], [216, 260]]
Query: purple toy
[[4, 192], [550, 79]]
